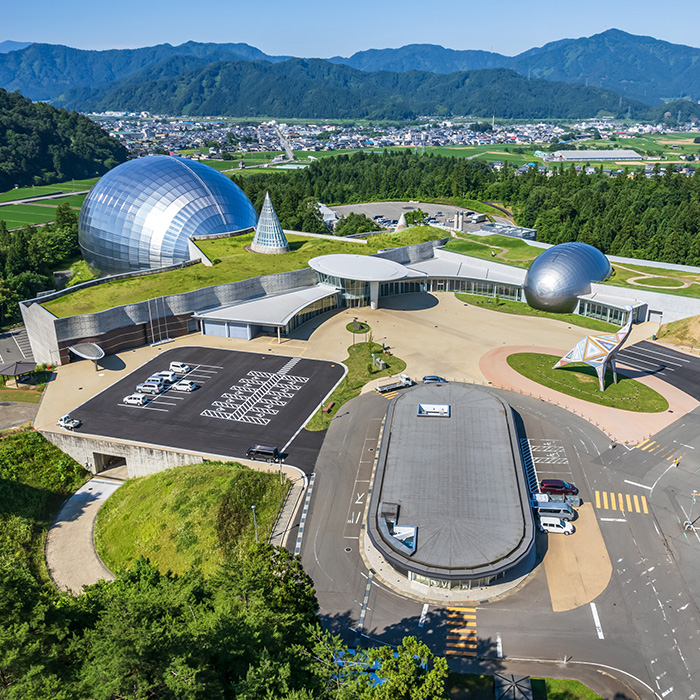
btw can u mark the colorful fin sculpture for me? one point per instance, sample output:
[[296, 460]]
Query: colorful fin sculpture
[[599, 351]]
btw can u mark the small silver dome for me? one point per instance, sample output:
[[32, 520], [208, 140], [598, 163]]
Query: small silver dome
[[141, 214], [562, 273]]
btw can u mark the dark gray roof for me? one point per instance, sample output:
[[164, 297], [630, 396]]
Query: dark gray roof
[[459, 480]]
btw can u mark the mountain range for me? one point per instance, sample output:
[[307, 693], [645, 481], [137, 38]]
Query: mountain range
[[614, 72]]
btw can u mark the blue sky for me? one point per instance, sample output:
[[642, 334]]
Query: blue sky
[[326, 28]]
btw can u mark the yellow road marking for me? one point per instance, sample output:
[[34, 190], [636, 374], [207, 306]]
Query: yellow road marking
[[644, 505], [597, 500], [646, 447], [622, 507], [629, 503], [605, 500], [613, 502], [641, 444], [469, 610], [636, 504]]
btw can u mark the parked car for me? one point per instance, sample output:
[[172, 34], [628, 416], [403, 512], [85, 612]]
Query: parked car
[[185, 385], [150, 388], [69, 423], [434, 379], [550, 524], [167, 376], [557, 486], [263, 453], [157, 379], [180, 367], [136, 400]]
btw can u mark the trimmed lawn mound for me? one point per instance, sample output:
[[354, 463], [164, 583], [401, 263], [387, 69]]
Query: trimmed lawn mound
[[581, 382], [685, 332], [361, 327], [360, 371], [188, 516], [35, 479]]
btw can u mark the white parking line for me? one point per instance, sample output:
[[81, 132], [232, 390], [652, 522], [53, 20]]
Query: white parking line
[[634, 483], [612, 520], [164, 403], [643, 354], [145, 408], [204, 370], [631, 361], [663, 354], [596, 620]]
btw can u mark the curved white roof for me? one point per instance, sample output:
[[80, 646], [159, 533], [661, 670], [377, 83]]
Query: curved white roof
[[363, 268]]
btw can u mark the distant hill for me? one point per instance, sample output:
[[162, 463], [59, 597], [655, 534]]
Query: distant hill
[[40, 144], [639, 67], [317, 88], [46, 71], [425, 57], [6, 46]]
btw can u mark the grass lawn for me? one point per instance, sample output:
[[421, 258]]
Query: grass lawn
[[581, 382], [17, 215], [360, 371], [519, 308], [187, 516], [69, 186], [471, 686], [519, 253], [362, 327], [685, 332], [22, 395], [35, 479], [236, 264], [561, 689], [81, 273]]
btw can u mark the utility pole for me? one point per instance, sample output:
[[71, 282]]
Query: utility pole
[[255, 523], [688, 525]]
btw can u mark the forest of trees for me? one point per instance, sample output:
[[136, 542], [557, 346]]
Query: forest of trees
[[655, 218], [29, 256], [40, 144], [251, 630]]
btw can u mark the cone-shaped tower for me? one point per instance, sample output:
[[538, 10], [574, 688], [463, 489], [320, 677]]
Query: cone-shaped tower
[[269, 236], [402, 223]]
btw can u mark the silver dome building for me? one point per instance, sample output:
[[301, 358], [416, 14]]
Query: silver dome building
[[559, 275], [141, 214]]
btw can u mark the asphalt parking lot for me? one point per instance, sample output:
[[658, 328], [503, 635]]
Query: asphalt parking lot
[[677, 368], [243, 399]]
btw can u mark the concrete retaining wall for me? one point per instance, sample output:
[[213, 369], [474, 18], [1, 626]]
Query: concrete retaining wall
[[140, 460]]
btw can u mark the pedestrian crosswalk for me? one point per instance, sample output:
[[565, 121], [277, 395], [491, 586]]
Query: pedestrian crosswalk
[[651, 447], [622, 502], [390, 394], [461, 631]]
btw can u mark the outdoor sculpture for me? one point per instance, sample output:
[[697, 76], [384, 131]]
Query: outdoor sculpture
[[598, 351]]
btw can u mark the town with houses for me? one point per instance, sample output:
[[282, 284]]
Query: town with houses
[[225, 139]]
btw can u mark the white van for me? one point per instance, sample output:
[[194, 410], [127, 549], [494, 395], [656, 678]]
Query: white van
[[550, 524], [555, 509], [180, 367]]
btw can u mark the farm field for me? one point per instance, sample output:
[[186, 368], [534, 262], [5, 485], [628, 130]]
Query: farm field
[[65, 187], [17, 215]]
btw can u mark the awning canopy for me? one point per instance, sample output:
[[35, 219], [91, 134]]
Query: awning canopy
[[88, 351], [16, 369]]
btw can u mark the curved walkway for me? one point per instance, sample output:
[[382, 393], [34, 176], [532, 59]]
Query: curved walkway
[[70, 548], [621, 426]]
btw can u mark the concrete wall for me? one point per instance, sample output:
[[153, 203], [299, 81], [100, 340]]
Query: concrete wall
[[412, 253], [41, 329], [140, 460]]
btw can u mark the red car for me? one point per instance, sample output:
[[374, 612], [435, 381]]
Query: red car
[[558, 487]]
